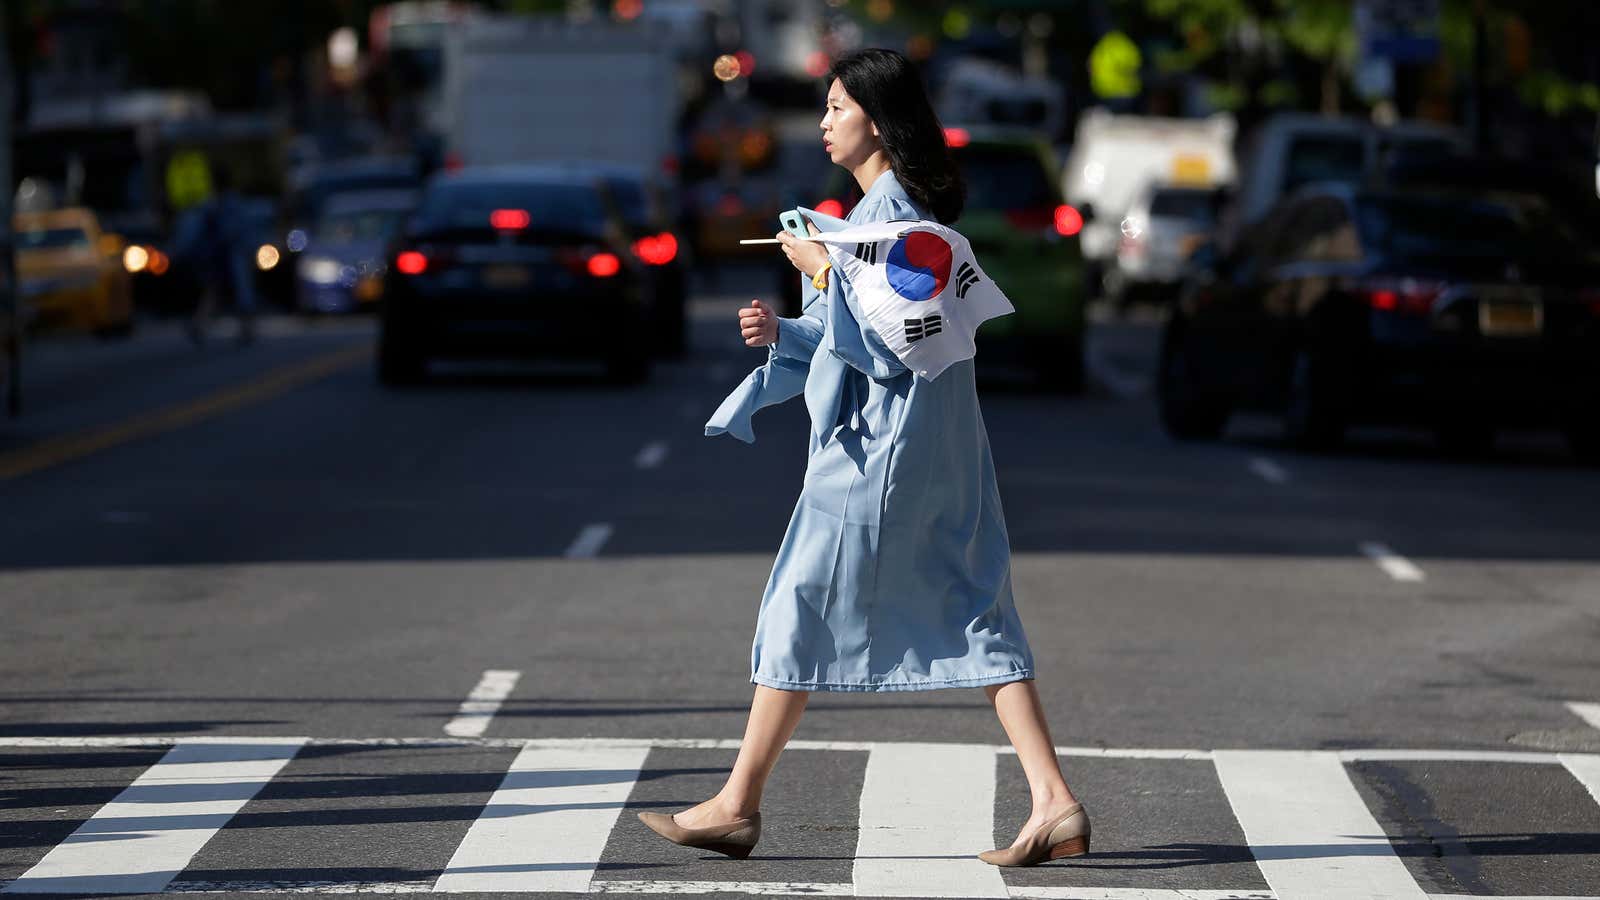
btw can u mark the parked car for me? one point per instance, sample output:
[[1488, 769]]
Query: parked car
[[70, 274], [1458, 310], [514, 260], [1025, 238], [342, 267], [1163, 226], [10, 332]]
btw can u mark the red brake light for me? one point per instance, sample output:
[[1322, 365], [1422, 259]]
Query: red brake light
[[411, 262], [831, 207], [657, 250], [509, 219], [604, 265], [1405, 297], [957, 137], [1068, 221]]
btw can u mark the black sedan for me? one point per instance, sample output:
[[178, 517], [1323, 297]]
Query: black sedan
[[1461, 311], [514, 261]]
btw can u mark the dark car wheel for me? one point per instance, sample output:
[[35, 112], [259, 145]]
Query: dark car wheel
[[1584, 440], [400, 361], [1464, 436], [1188, 411], [1315, 416], [1056, 367]]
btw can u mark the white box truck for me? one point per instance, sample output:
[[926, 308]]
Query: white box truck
[[1115, 158], [522, 89]]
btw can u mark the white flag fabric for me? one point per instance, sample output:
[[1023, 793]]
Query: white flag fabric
[[919, 287]]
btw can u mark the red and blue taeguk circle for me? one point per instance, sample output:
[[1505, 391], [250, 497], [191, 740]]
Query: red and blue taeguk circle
[[919, 265]]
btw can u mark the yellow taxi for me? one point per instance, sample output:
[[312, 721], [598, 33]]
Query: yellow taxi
[[70, 274]]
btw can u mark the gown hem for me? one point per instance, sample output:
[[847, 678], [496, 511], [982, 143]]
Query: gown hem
[[928, 684]]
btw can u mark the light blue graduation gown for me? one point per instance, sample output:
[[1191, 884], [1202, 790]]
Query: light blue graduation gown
[[895, 572]]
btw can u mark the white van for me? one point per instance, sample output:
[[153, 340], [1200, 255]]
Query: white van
[[1115, 159]]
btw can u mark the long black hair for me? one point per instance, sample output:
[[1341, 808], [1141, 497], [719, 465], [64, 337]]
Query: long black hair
[[891, 93]]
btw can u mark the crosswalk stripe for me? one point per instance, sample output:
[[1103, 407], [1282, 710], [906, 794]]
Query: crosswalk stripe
[[147, 834], [545, 827], [1308, 828], [924, 807], [925, 810]]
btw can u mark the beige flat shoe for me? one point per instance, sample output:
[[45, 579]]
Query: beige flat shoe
[[1065, 835], [735, 839]]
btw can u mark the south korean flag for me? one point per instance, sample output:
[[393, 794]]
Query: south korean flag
[[919, 287]]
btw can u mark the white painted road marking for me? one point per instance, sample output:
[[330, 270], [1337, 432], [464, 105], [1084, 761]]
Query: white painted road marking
[[146, 835], [575, 788], [546, 826], [924, 808], [1586, 768], [1310, 831], [590, 540], [484, 701], [651, 455], [1396, 566], [1269, 471], [1589, 712]]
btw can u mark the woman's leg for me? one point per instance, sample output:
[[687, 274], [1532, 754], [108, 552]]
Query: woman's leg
[[773, 717], [1022, 716]]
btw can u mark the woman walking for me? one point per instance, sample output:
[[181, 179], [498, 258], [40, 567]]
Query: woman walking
[[895, 572]]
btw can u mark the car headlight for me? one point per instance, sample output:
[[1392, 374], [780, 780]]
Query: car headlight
[[320, 270]]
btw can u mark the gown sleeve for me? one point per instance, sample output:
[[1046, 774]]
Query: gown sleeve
[[798, 337]]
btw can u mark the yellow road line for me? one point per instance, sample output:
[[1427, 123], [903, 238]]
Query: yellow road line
[[56, 451]]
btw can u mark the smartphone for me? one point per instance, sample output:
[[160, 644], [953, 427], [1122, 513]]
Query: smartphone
[[794, 223]]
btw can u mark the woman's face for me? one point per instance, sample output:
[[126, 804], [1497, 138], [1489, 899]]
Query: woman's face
[[847, 134]]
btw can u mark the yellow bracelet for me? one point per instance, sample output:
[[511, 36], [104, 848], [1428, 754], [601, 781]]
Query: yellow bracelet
[[819, 280]]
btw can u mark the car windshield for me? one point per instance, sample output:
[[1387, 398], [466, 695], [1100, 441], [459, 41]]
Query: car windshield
[[1442, 225], [566, 208], [1314, 159], [1193, 206], [324, 188], [52, 238], [359, 225], [1001, 178]]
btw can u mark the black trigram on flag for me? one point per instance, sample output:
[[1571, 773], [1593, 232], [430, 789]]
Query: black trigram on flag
[[917, 329], [868, 252], [966, 277]]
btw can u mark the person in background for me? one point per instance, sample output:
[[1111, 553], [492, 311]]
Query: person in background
[[214, 235]]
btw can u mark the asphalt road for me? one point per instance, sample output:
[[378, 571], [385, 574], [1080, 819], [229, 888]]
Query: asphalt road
[[263, 543]]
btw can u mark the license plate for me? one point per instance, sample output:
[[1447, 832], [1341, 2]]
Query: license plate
[[1509, 319], [1191, 168], [504, 277]]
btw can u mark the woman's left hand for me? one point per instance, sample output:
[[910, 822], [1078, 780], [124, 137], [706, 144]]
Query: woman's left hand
[[806, 256]]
